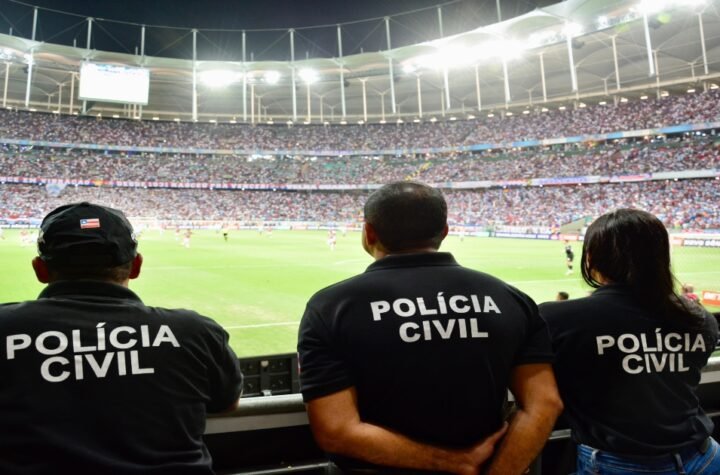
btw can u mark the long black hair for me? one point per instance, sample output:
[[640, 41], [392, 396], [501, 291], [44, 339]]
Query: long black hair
[[631, 247]]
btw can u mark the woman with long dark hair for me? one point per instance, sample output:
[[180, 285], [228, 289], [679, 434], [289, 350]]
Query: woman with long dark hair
[[629, 356]]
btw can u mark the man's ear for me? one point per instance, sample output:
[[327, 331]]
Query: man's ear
[[41, 270], [136, 266], [445, 231], [370, 234]]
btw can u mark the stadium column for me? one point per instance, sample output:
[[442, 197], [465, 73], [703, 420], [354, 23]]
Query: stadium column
[[194, 77], [615, 60], [252, 103], [440, 21], [419, 96], [87, 47], [292, 70], [72, 93], [390, 66], [573, 74], [477, 87], [59, 102], [702, 43], [309, 104], [382, 107], [506, 80], [341, 64], [364, 92], [5, 88], [446, 85], [31, 64], [648, 45], [542, 76], [142, 56], [244, 91]]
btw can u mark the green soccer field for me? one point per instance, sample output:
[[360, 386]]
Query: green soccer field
[[256, 286]]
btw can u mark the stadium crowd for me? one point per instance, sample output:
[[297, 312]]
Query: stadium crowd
[[686, 204], [634, 115], [610, 159]]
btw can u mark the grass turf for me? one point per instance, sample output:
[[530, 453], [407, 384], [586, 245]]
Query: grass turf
[[256, 285]]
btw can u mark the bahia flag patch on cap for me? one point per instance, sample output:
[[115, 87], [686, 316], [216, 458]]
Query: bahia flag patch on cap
[[89, 223]]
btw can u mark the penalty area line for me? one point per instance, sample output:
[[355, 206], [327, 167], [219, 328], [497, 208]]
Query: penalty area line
[[261, 325]]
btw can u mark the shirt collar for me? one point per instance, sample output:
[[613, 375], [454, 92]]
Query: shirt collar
[[82, 289], [413, 260]]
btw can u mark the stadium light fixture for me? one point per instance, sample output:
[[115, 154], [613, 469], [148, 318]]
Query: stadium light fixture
[[491, 115], [343, 122], [308, 76], [416, 120], [177, 119], [713, 86], [399, 121], [271, 77], [623, 99], [691, 90], [409, 68], [582, 105], [603, 22], [602, 103], [212, 121], [270, 122], [544, 109], [289, 122], [433, 119], [453, 118], [572, 29], [643, 97], [219, 78], [664, 94], [526, 111], [116, 116], [470, 116], [233, 121], [360, 122], [508, 114], [383, 121], [562, 108], [156, 118]]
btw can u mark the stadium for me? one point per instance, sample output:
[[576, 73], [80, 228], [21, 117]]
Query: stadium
[[243, 158]]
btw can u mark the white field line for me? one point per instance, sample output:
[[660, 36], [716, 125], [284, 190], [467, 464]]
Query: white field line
[[261, 325]]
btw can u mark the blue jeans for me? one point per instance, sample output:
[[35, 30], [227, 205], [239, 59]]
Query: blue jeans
[[691, 461]]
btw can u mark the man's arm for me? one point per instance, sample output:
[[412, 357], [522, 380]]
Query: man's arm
[[539, 405], [337, 427]]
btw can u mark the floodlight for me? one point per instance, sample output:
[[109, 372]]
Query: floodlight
[[212, 121], [643, 97], [603, 22], [409, 68], [308, 76], [417, 121], [156, 118], [271, 77], [177, 119], [573, 29], [219, 78], [343, 122], [713, 86], [623, 99], [399, 121], [491, 115], [452, 118], [383, 121], [470, 116], [602, 103], [562, 108], [508, 114], [361, 122], [526, 111], [116, 116], [691, 90], [582, 105], [433, 119]]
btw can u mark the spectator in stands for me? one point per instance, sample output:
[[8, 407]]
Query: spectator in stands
[[688, 291], [629, 356], [93, 380], [408, 364], [562, 296]]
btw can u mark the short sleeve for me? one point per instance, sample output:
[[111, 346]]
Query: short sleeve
[[323, 368], [225, 378], [537, 347]]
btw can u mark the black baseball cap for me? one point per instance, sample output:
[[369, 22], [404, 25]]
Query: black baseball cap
[[87, 235]]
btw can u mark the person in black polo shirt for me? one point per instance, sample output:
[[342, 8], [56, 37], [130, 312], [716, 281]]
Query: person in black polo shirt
[[629, 357], [408, 364], [94, 381]]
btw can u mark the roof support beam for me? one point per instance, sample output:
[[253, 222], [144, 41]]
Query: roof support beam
[[342, 72], [648, 46], [390, 66]]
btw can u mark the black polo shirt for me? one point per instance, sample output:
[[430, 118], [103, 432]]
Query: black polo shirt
[[94, 381], [429, 345], [629, 380]]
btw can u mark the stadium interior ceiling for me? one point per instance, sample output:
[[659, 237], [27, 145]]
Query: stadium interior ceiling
[[524, 63]]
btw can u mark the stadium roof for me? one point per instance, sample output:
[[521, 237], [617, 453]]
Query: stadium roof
[[475, 62]]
